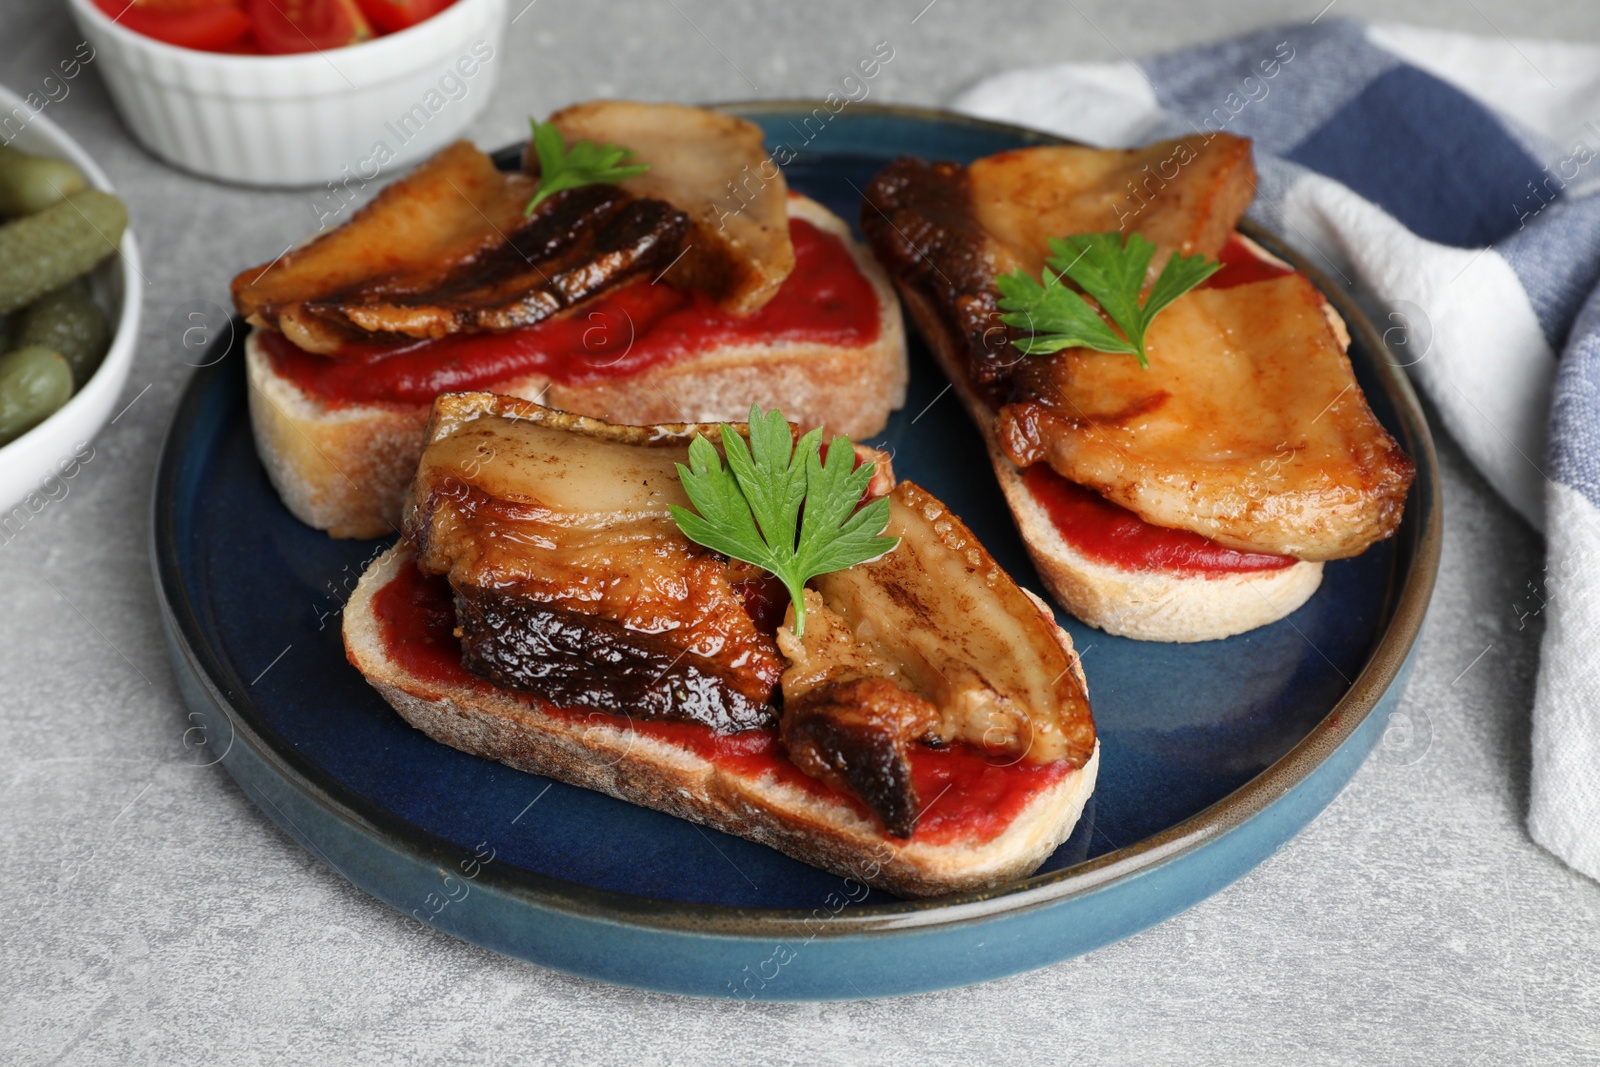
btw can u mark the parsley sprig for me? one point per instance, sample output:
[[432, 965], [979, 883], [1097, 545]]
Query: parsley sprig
[[752, 509], [1113, 273], [585, 163]]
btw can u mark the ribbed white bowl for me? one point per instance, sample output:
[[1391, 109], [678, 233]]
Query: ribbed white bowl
[[309, 118], [38, 467]]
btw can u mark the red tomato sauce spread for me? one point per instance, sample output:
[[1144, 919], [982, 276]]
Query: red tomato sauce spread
[[970, 797], [825, 300], [1241, 266], [1111, 533]]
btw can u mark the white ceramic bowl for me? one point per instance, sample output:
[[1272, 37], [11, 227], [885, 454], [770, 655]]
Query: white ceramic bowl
[[309, 118], [37, 467]]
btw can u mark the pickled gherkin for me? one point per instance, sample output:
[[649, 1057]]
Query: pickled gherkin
[[34, 383], [79, 285], [49, 248], [33, 183], [68, 322]]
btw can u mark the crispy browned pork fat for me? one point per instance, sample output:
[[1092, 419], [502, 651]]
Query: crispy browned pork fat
[[448, 249], [856, 734], [930, 643], [1248, 427], [573, 583], [715, 168], [947, 229]]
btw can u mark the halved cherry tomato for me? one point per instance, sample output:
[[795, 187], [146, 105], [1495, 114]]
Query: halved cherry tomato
[[391, 15], [203, 24], [282, 26]]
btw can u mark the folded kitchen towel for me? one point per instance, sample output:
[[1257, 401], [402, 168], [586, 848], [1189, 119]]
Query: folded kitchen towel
[[1453, 183]]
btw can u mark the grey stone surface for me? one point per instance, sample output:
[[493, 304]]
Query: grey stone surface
[[150, 914]]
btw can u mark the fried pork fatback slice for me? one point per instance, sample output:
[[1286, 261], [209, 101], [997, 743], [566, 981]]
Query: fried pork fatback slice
[[932, 642], [1186, 195], [449, 209], [948, 230], [572, 580], [1248, 427], [962, 634], [715, 168], [447, 249]]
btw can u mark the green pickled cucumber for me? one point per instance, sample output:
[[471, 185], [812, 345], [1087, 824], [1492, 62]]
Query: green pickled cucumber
[[79, 285], [49, 248], [5, 333], [33, 183], [70, 323], [34, 383]]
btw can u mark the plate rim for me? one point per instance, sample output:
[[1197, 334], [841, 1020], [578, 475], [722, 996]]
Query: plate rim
[[1382, 666]]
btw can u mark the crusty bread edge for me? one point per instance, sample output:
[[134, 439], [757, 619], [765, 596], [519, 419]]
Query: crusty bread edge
[[829, 834], [346, 469], [1146, 605]]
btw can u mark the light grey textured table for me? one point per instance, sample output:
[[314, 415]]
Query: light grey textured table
[[149, 913]]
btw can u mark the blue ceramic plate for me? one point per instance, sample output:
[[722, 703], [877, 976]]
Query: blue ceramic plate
[[1214, 754]]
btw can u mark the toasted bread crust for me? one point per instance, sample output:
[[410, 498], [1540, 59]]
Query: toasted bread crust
[[822, 831], [1147, 605], [345, 469]]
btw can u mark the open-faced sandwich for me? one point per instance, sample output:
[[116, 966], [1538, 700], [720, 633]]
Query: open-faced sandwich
[[758, 634], [648, 265], [1169, 408]]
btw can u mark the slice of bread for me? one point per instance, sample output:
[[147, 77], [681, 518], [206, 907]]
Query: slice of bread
[[818, 829], [345, 469], [1149, 605]]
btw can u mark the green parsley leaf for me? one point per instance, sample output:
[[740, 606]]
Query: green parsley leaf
[[779, 506], [1112, 272], [585, 163]]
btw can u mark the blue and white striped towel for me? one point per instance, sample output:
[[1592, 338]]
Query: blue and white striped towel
[[1451, 180]]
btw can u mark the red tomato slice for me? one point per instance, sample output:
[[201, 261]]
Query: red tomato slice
[[391, 15], [209, 25], [282, 26]]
